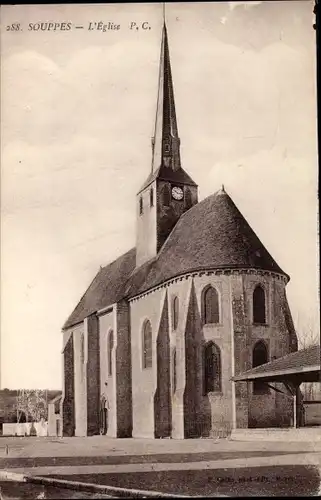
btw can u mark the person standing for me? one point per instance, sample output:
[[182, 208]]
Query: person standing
[[107, 410], [104, 412], [102, 415]]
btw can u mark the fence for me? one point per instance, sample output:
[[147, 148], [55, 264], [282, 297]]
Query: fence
[[25, 429]]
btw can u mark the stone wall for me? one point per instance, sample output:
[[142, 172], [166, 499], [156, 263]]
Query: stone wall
[[193, 412], [217, 407], [273, 409], [39, 429]]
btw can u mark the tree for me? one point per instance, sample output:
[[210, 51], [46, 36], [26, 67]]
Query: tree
[[32, 404]]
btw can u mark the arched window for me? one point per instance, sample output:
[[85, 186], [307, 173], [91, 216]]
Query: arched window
[[175, 312], [211, 310], [212, 368], [151, 197], [141, 205], [174, 371], [259, 305], [147, 345], [166, 196], [259, 357], [110, 352], [188, 198]]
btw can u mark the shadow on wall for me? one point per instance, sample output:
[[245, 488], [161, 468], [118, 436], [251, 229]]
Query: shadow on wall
[[197, 407], [267, 413], [162, 397], [68, 403]]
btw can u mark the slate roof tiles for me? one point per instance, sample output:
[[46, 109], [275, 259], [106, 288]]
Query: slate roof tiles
[[213, 234], [293, 362]]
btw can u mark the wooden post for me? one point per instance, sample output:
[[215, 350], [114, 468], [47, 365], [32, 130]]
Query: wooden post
[[295, 407], [297, 404], [293, 388]]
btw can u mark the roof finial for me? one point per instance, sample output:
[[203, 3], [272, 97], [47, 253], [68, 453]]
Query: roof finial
[[222, 188], [164, 17]]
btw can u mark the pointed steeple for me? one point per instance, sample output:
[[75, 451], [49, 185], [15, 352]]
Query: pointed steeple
[[165, 143], [166, 159], [168, 191]]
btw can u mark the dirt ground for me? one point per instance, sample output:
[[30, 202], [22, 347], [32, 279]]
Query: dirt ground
[[188, 467]]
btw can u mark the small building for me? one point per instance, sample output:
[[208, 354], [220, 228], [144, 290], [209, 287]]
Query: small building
[[291, 371], [54, 417]]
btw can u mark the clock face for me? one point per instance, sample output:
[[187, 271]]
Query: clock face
[[177, 193]]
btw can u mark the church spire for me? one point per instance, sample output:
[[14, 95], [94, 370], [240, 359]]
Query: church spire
[[165, 143], [168, 191]]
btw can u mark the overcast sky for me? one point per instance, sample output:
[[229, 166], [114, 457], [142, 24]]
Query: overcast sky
[[77, 112]]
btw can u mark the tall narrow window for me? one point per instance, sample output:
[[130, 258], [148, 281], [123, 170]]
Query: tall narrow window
[[174, 371], [175, 313], [188, 198], [212, 368], [167, 147], [147, 345], [210, 303], [166, 195], [82, 349], [141, 205], [259, 305], [151, 197], [110, 352], [260, 356]]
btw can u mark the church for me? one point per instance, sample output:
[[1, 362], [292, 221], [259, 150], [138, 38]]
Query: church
[[152, 346]]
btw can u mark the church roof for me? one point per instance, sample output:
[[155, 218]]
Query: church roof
[[213, 234], [106, 288]]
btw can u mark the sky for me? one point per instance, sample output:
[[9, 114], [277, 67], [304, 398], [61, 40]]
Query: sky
[[77, 115]]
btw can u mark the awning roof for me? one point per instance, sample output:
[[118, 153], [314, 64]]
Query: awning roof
[[303, 365]]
